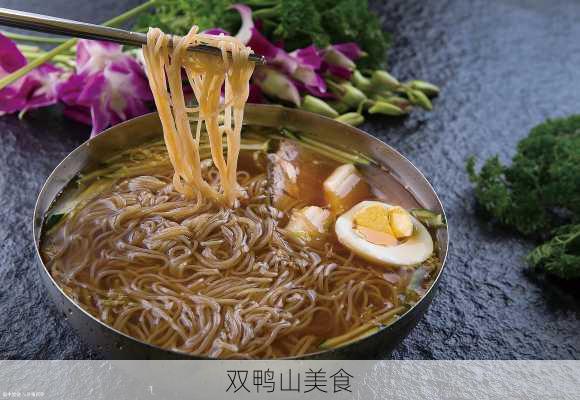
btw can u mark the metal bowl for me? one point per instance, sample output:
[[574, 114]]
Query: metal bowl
[[412, 190]]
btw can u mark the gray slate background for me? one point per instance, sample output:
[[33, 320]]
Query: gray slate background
[[504, 66]]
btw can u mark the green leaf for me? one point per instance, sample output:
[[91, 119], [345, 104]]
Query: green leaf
[[52, 221], [560, 255]]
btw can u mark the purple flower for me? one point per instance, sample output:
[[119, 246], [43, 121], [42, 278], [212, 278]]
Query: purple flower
[[277, 84], [36, 89], [338, 71], [250, 36], [109, 86], [339, 59], [274, 55], [247, 29], [307, 71], [309, 56], [40, 86], [302, 65], [215, 32], [350, 50], [93, 56], [11, 58], [314, 91]]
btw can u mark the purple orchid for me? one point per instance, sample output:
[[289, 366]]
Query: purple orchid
[[314, 91], [11, 58], [338, 71], [40, 86], [36, 89], [246, 30], [277, 84], [339, 59], [302, 65], [251, 36], [350, 50], [109, 86], [274, 55], [93, 56], [308, 69]]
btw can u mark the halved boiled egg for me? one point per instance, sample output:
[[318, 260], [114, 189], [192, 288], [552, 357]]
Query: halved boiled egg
[[384, 234]]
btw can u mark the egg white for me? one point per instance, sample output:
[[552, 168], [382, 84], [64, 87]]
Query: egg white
[[414, 250]]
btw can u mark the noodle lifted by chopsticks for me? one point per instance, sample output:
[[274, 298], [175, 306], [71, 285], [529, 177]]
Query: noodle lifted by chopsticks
[[165, 57]]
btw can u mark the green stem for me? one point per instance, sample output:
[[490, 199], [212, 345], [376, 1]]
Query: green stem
[[332, 150], [267, 13], [32, 38], [260, 3], [333, 154], [57, 58], [28, 48], [8, 79], [64, 65]]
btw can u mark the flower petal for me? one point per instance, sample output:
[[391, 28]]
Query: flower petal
[[112, 90], [93, 90], [216, 32], [274, 55], [350, 49], [35, 89], [251, 36], [308, 56], [94, 55], [100, 118], [309, 78], [339, 71], [41, 86], [309, 62], [277, 84], [245, 33], [140, 83], [11, 59], [313, 90], [78, 113], [11, 101], [334, 57], [68, 91]]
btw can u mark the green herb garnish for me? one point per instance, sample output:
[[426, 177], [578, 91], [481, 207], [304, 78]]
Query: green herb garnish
[[539, 192], [298, 23], [561, 254], [177, 16], [428, 217], [52, 220]]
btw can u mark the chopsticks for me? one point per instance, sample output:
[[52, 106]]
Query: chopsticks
[[66, 27]]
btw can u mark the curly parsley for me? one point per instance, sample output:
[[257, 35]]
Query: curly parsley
[[538, 195]]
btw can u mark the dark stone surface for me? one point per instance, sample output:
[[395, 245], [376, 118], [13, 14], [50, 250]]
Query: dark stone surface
[[504, 66]]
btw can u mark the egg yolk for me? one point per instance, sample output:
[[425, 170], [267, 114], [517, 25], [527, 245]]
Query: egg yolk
[[375, 218], [372, 224]]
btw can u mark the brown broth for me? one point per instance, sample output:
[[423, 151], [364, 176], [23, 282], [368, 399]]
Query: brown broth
[[311, 169]]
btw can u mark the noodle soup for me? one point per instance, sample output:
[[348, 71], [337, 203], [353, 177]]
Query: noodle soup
[[310, 256]]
